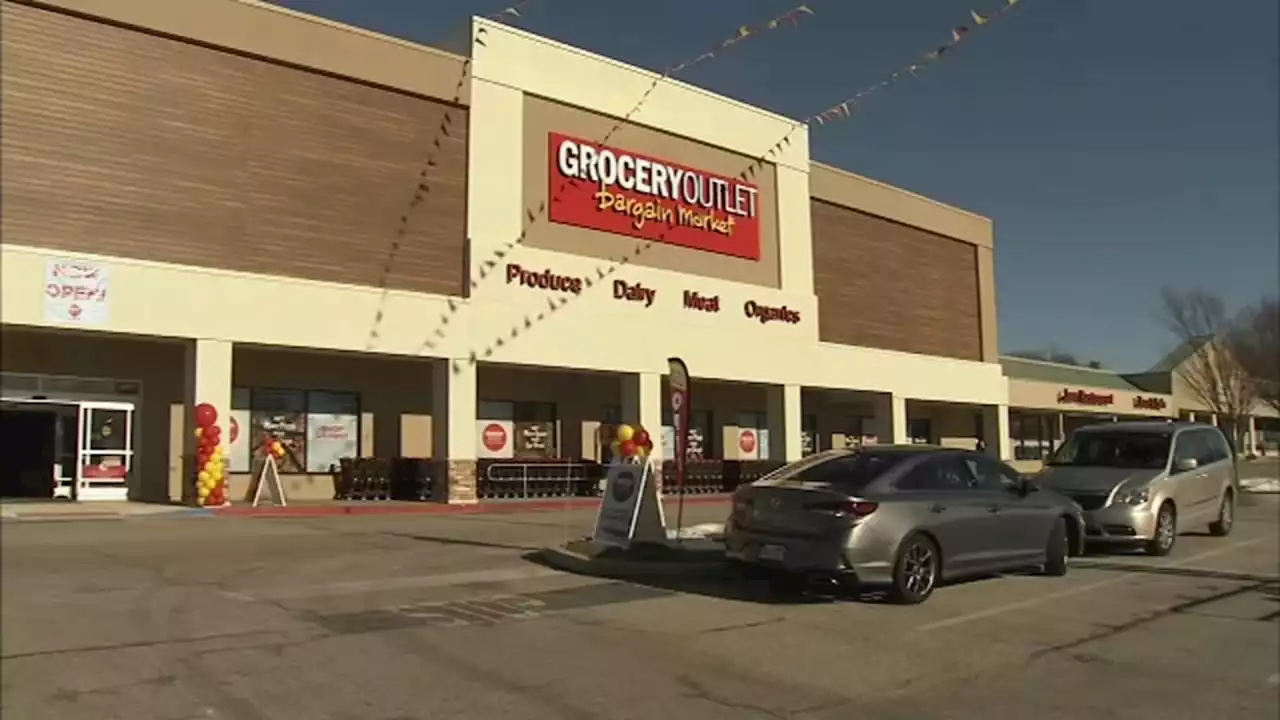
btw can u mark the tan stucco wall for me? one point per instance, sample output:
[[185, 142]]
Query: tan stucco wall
[[1044, 396]]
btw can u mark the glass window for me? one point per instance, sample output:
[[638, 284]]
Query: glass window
[[1103, 448], [989, 474], [1219, 448], [849, 473], [938, 474], [531, 412], [238, 432], [920, 431], [280, 414], [496, 410], [333, 429], [809, 435], [700, 439]]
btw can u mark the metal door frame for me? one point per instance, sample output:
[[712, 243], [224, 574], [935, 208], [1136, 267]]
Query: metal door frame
[[85, 487]]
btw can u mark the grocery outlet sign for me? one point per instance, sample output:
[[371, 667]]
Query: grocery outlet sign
[[603, 188]]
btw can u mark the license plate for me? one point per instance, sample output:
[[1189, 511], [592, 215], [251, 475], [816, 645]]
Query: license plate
[[774, 553]]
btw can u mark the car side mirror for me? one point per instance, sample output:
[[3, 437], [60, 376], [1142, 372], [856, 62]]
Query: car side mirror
[[1185, 464]]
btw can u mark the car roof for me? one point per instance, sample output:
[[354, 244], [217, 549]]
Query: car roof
[[1144, 426], [888, 449]]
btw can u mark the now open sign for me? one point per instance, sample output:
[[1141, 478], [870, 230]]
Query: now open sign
[[76, 292]]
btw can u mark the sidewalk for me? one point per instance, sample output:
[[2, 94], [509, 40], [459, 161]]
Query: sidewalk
[[63, 510]]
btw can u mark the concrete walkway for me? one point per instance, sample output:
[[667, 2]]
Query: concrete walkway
[[51, 510]]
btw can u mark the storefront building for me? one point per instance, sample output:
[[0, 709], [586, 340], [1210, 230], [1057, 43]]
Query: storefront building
[[345, 241], [1047, 401]]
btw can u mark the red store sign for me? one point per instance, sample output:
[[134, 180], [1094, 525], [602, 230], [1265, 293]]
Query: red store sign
[[603, 188], [1149, 403], [1084, 397]]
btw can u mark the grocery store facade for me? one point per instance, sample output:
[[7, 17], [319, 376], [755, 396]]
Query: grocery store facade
[[340, 239]]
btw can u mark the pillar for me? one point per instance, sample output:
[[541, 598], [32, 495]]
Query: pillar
[[785, 418], [453, 430], [891, 419], [995, 431], [207, 380], [643, 398], [1250, 437]]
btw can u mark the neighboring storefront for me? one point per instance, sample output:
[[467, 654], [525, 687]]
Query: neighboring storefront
[[1047, 401], [357, 254]]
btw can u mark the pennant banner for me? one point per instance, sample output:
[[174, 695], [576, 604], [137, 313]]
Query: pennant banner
[[532, 215], [422, 188], [602, 272], [845, 108]]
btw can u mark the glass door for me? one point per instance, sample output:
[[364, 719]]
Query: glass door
[[105, 456]]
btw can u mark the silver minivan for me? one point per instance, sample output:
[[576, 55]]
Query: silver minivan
[[1143, 482]]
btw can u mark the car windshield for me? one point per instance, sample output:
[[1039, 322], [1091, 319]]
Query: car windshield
[[1147, 451], [846, 472]]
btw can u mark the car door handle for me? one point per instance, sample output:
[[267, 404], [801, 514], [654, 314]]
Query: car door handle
[[937, 508]]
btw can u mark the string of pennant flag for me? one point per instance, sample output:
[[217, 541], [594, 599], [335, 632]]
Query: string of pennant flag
[[839, 111], [844, 108], [532, 214], [422, 186]]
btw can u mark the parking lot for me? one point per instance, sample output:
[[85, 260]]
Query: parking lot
[[393, 618]]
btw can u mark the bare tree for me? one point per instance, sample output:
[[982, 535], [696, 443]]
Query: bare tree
[[1200, 321], [1255, 342]]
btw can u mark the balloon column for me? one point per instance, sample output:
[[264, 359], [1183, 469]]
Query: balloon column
[[211, 477], [632, 444]]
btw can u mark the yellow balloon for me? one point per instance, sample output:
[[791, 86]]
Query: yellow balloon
[[199, 432], [203, 476], [641, 450], [625, 433], [203, 492], [277, 448]]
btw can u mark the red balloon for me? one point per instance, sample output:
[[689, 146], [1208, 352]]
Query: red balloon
[[628, 448], [206, 415], [212, 431], [641, 439]]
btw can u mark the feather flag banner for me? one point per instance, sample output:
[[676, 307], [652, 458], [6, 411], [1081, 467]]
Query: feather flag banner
[[840, 110], [533, 214]]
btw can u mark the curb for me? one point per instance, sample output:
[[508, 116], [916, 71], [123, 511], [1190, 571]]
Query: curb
[[92, 516], [425, 508], [571, 562]]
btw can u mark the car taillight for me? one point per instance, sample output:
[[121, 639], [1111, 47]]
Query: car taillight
[[857, 508]]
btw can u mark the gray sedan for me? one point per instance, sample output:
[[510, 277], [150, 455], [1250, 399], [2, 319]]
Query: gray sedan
[[903, 517]]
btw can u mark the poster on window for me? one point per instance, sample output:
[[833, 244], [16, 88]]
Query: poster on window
[[535, 440], [75, 293], [290, 428], [238, 442], [331, 437], [494, 439]]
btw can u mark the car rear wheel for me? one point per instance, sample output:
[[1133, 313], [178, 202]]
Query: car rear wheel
[[1226, 515], [916, 571], [1166, 531], [1057, 550]]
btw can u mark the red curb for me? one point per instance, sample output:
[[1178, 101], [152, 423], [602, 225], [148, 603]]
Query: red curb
[[431, 508]]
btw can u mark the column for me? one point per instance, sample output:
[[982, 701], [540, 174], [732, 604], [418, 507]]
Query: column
[[643, 398], [785, 418], [453, 430], [208, 380], [1251, 437], [1060, 434], [995, 431], [891, 419]]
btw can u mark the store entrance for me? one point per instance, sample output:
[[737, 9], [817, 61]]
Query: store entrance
[[65, 450], [29, 450]]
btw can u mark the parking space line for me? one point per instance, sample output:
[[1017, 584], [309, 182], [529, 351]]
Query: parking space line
[[1127, 576]]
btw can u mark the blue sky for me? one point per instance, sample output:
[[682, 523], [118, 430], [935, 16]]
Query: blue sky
[[1119, 145]]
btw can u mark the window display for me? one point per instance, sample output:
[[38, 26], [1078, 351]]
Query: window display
[[317, 428]]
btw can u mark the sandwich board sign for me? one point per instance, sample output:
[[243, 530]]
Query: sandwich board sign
[[268, 478], [630, 511]]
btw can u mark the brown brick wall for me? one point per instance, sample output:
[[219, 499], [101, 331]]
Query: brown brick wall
[[125, 143], [886, 285]]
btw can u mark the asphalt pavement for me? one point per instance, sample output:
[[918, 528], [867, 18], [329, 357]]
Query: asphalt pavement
[[444, 617]]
